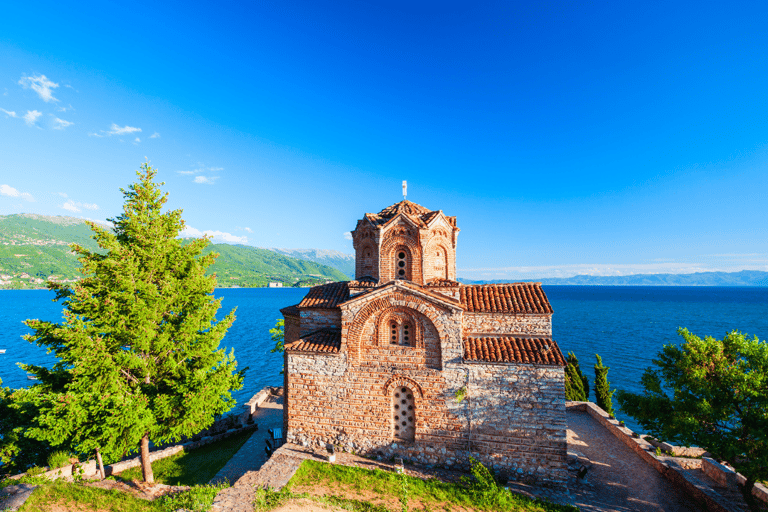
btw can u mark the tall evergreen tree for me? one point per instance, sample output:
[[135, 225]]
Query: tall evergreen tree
[[603, 392], [574, 380], [139, 356]]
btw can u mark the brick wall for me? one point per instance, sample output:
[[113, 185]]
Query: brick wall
[[494, 323], [513, 416], [313, 319], [292, 328]]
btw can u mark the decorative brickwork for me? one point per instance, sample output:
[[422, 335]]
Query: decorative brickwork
[[378, 365]]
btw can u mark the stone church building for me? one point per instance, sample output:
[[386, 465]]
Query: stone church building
[[404, 360]]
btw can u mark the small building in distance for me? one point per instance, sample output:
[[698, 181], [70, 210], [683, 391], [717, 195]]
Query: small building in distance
[[275, 285], [404, 360]]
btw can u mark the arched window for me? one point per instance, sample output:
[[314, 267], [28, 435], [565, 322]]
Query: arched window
[[401, 264], [403, 414], [441, 270], [401, 333], [367, 263]]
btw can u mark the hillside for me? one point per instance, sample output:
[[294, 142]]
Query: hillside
[[338, 260], [742, 278], [35, 248]]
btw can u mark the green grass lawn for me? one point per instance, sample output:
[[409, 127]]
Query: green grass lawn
[[80, 497], [194, 467], [480, 493]]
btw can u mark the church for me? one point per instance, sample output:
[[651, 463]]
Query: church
[[406, 361]]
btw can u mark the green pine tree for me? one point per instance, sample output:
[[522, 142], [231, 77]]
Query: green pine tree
[[574, 381], [139, 356], [603, 391]]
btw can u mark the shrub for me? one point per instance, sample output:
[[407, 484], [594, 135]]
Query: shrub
[[59, 459], [35, 470], [198, 499]]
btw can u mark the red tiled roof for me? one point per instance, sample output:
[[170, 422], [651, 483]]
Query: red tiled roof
[[513, 350], [290, 310], [505, 298], [404, 206], [326, 295], [364, 282], [442, 283], [414, 211], [325, 340]]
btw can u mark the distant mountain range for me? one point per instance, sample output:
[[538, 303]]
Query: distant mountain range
[[35, 248], [338, 260], [742, 278]]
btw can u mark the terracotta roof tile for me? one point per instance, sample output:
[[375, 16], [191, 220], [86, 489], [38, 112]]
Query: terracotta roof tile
[[442, 283], [326, 295], [542, 351], [363, 282], [427, 217], [404, 206], [414, 211], [323, 341], [290, 310], [505, 298]]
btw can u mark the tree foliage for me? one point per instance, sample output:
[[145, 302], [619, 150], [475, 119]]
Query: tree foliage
[[603, 392], [17, 451], [576, 383], [277, 333], [713, 394], [139, 356]]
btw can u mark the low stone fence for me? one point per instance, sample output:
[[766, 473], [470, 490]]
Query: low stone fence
[[221, 429], [90, 470], [673, 467]]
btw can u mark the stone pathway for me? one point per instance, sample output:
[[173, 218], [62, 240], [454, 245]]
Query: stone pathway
[[13, 497], [249, 468], [617, 480], [251, 455]]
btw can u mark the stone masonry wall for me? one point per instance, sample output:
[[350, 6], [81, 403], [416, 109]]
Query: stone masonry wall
[[313, 319], [512, 418], [517, 415], [292, 328], [495, 323]]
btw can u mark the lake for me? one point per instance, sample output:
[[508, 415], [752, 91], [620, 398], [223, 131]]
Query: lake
[[626, 325]]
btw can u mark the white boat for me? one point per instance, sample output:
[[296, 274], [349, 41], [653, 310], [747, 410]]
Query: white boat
[[2, 351], [31, 377]]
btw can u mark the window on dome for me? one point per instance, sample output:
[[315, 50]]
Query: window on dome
[[401, 265]]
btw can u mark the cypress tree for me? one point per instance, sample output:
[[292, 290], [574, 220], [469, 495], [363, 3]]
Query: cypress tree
[[574, 382], [139, 356], [603, 391]]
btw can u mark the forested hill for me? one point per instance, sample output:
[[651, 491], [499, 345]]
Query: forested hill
[[34, 248], [338, 260]]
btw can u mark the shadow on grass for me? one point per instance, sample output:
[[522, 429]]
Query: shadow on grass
[[194, 467]]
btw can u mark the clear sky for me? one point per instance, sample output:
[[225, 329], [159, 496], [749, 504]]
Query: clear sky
[[567, 137]]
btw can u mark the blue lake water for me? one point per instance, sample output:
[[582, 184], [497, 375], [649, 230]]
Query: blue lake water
[[626, 325]]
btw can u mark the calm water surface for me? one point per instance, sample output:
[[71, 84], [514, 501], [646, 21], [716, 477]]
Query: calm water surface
[[626, 325]]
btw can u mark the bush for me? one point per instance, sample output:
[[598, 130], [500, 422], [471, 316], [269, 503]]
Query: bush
[[35, 470], [198, 499], [59, 459]]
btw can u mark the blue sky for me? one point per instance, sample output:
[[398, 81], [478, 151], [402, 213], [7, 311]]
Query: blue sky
[[568, 138]]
